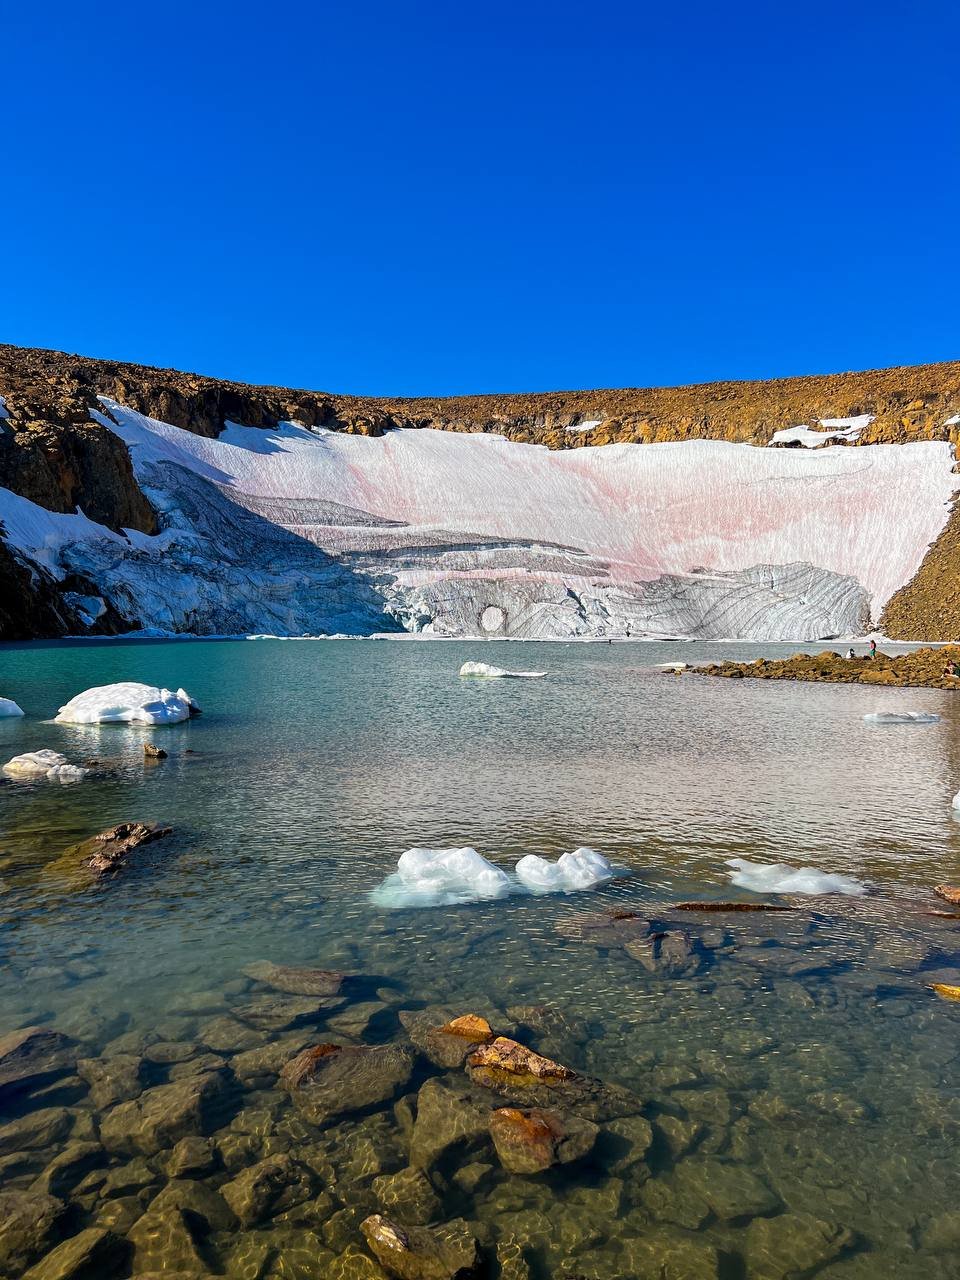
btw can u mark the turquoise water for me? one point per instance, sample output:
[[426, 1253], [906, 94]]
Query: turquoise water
[[805, 1050]]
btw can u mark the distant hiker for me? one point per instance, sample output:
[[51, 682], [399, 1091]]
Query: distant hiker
[[851, 654], [873, 648]]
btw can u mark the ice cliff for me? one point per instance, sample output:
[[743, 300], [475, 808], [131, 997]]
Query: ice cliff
[[295, 530]]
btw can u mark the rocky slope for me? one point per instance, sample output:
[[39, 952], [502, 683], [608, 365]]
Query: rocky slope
[[63, 449]]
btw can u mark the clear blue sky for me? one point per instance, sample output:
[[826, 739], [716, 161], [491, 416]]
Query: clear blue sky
[[438, 197]]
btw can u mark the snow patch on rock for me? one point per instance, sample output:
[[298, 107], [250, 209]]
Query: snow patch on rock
[[128, 703], [762, 877]]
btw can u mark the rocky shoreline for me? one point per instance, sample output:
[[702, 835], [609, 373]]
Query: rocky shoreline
[[923, 669]]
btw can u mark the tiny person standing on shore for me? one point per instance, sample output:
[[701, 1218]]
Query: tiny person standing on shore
[[873, 648]]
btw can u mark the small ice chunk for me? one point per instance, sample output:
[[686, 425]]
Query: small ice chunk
[[128, 703], [671, 666], [762, 877], [901, 717], [9, 708], [485, 671], [51, 765], [581, 869], [441, 877], [956, 801]]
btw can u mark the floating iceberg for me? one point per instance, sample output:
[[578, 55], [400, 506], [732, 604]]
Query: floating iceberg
[[446, 877], [956, 801], [51, 765], [762, 877], [901, 717], [485, 671], [9, 708], [581, 869], [440, 878], [128, 703]]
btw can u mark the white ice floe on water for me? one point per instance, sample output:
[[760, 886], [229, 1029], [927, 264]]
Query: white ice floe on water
[[484, 671], [581, 869], [447, 877], [9, 708], [128, 703], [53, 766], [777, 877], [901, 717], [440, 878]]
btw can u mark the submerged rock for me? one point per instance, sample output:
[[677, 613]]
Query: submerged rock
[[31, 1055], [282, 1013], [793, 1244], [330, 1079], [31, 1223], [448, 1045], [91, 1255], [408, 1194], [529, 1141], [450, 1117], [161, 1116], [109, 851], [422, 1253], [949, 892], [294, 981], [731, 1190], [112, 1080], [163, 1243], [507, 1062], [605, 928], [266, 1189]]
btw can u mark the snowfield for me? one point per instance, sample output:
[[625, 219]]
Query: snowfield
[[294, 531]]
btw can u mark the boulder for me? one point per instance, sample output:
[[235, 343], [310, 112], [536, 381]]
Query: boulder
[[112, 1080], [32, 1055], [44, 1128], [199, 1201], [329, 1080], [450, 1044], [408, 1195], [604, 928], [282, 1013], [70, 1167], [294, 981], [31, 1223], [110, 850], [422, 1253], [950, 893], [192, 1157], [163, 1242], [152, 753], [515, 1072], [529, 1141], [450, 1116], [161, 1116], [266, 1189], [731, 1190], [792, 1245], [94, 1254]]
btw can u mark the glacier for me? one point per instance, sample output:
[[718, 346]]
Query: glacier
[[307, 531]]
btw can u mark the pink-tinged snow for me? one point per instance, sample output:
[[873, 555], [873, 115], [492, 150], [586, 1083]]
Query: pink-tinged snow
[[869, 512]]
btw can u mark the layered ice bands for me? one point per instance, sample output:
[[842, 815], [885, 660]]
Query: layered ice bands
[[763, 877], [293, 531], [128, 703]]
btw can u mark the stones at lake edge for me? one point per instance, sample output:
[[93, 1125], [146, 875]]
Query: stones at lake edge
[[161, 1116], [422, 1253], [109, 850], [452, 1043], [330, 1079], [295, 981], [31, 1055], [531, 1140]]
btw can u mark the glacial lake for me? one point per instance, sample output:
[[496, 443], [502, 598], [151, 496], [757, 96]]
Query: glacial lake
[[798, 1106]]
